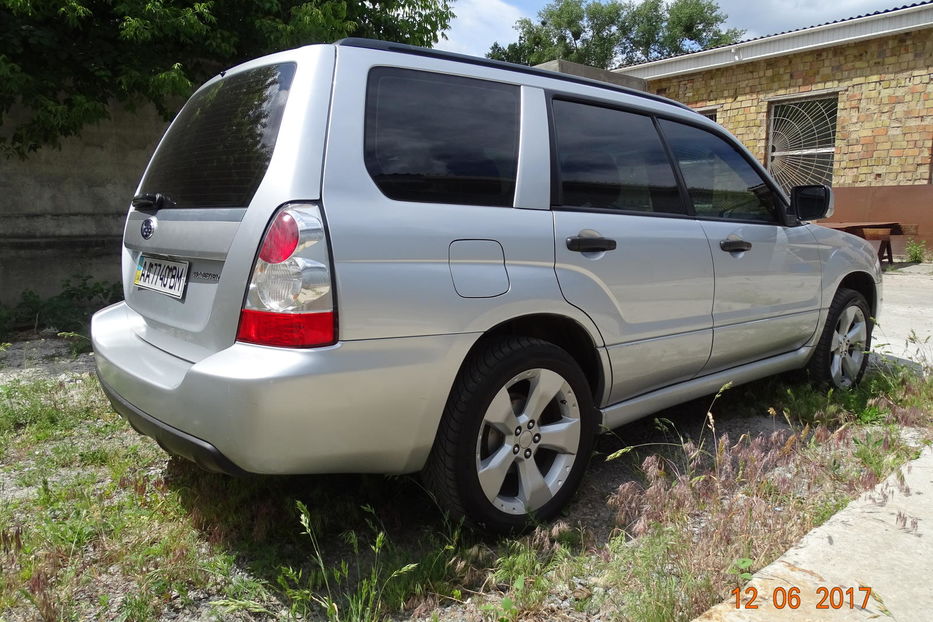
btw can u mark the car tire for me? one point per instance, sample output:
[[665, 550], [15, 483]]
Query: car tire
[[515, 437], [841, 354]]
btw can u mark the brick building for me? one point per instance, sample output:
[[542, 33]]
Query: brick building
[[849, 104]]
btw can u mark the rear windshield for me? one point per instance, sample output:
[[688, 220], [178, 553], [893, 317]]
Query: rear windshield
[[218, 149]]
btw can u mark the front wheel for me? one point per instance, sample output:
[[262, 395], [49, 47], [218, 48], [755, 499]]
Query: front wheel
[[842, 352], [515, 437]]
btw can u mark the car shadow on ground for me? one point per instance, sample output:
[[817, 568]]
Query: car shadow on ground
[[256, 518]]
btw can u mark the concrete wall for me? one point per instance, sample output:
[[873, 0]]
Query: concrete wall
[[594, 73], [885, 115], [62, 211]]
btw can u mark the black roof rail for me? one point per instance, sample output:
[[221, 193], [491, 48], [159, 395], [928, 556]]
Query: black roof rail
[[389, 46]]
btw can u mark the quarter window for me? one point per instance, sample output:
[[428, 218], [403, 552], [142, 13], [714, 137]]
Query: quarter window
[[612, 159], [721, 182], [441, 139]]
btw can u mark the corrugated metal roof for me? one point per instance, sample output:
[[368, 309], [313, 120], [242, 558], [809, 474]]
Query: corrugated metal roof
[[877, 24]]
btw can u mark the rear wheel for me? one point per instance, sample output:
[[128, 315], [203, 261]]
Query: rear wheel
[[515, 437], [842, 353]]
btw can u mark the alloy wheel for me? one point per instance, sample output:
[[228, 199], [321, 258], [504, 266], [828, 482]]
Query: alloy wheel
[[528, 441], [847, 348]]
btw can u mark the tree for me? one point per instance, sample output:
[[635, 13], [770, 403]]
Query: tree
[[63, 62], [606, 34]]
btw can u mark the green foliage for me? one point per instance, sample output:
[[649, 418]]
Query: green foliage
[[504, 611], [741, 567], [64, 61], [605, 34], [916, 250], [68, 311]]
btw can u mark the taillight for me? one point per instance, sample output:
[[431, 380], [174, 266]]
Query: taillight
[[290, 300], [281, 240]]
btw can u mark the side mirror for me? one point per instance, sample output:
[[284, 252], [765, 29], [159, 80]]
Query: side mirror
[[812, 202]]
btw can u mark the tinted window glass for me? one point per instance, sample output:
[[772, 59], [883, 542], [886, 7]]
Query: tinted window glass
[[721, 182], [612, 159], [219, 147], [441, 139]]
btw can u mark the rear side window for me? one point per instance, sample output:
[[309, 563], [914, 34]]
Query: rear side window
[[441, 139], [721, 182], [612, 159], [218, 149]]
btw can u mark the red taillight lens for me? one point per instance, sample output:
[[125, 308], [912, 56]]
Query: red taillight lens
[[288, 330], [290, 300], [281, 240]]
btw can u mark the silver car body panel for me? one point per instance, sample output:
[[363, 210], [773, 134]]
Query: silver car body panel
[[392, 258], [651, 297], [273, 410], [768, 297], [418, 284]]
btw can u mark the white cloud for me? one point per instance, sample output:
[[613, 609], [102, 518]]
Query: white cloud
[[479, 24], [766, 17]]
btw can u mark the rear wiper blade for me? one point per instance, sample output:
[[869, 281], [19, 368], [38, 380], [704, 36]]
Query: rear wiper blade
[[153, 201]]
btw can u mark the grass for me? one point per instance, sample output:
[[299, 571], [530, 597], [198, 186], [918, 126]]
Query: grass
[[916, 250], [96, 523], [90, 531]]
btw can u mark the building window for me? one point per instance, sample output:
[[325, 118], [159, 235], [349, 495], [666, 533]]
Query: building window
[[709, 114], [802, 139]]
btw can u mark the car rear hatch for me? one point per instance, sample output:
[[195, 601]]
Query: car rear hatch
[[246, 142]]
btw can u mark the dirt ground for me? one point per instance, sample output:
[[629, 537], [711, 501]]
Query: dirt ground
[[42, 356]]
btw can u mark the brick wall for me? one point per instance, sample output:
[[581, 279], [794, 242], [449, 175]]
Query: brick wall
[[885, 116]]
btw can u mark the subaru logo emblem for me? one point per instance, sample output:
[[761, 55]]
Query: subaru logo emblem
[[148, 228]]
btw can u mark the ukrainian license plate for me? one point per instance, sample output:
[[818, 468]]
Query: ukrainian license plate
[[161, 275]]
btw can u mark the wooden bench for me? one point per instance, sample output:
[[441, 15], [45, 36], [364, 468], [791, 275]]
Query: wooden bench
[[879, 234]]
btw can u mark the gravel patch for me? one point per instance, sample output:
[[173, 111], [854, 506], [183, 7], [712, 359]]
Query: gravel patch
[[40, 357]]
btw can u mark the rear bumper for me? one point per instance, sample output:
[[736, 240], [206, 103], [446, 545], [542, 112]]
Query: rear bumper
[[173, 440], [369, 406]]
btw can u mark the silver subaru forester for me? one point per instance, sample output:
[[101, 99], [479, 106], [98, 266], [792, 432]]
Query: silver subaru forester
[[369, 257]]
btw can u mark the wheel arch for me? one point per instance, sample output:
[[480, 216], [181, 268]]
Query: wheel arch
[[562, 331], [863, 283]]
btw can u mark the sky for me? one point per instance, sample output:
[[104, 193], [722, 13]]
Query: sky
[[480, 23]]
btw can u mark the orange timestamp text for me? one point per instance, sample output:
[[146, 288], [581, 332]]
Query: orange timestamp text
[[828, 597]]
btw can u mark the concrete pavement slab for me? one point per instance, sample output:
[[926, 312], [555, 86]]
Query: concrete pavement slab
[[907, 309]]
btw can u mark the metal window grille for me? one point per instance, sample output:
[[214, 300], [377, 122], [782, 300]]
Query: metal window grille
[[802, 140]]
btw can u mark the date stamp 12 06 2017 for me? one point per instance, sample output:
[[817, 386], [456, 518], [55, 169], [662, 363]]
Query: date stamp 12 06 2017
[[826, 597]]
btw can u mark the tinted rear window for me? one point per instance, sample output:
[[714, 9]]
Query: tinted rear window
[[219, 147], [441, 139]]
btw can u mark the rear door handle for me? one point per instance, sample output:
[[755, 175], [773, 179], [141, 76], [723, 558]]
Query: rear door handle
[[582, 244], [734, 246]]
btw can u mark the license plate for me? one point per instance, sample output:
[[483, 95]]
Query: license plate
[[161, 275]]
